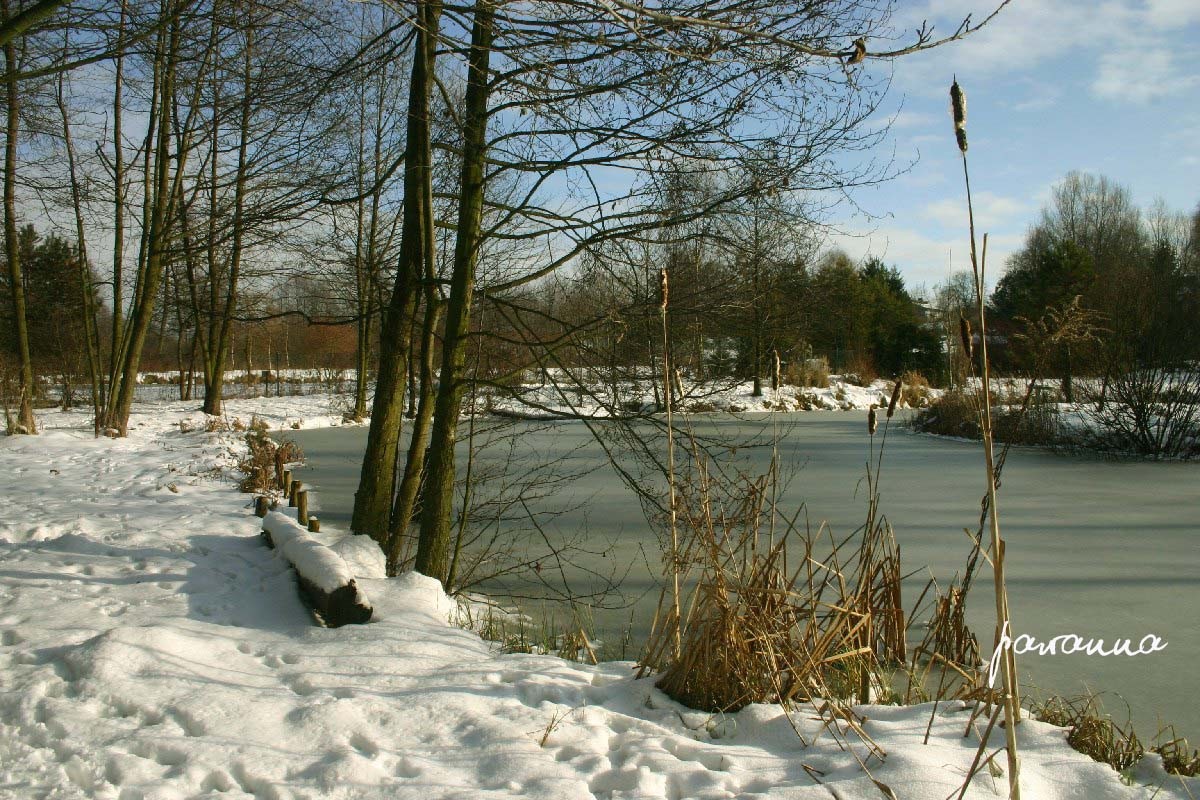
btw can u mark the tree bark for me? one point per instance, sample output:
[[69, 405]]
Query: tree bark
[[373, 499], [25, 422], [433, 546], [157, 239], [414, 466]]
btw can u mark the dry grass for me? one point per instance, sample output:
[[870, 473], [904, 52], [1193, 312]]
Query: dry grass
[[1179, 758], [811, 373], [915, 391], [1091, 731], [860, 371], [1094, 732]]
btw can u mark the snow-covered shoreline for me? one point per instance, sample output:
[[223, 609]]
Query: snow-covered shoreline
[[568, 399], [152, 647]]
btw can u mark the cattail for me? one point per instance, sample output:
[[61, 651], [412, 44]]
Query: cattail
[[958, 107], [872, 420], [776, 380], [895, 398], [663, 290], [964, 332]]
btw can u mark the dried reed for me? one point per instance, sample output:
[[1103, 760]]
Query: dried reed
[[674, 564], [795, 617], [1010, 697]]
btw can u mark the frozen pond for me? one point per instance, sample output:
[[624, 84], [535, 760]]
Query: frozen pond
[[1096, 548]]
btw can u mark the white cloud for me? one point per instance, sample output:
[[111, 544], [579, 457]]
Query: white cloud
[[1140, 74], [1133, 37], [1171, 14], [991, 210], [908, 120]]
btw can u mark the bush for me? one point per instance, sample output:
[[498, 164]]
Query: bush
[[265, 459], [1151, 411], [956, 413], [952, 414]]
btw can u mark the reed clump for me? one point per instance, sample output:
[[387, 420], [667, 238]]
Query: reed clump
[[775, 614]]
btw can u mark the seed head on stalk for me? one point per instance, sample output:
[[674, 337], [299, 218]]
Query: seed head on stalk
[[895, 398], [872, 420], [663, 289], [776, 380], [958, 107], [964, 331]]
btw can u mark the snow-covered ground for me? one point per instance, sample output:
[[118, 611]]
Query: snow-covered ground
[[598, 400], [152, 647]]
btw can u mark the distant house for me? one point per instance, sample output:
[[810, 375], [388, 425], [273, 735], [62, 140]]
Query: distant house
[[927, 315]]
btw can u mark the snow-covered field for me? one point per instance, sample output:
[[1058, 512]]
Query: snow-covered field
[[152, 647]]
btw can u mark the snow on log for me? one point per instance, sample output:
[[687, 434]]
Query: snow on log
[[326, 582]]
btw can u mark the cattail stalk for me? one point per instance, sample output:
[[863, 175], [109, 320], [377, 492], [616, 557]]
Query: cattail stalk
[[1012, 714], [891, 409], [663, 300]]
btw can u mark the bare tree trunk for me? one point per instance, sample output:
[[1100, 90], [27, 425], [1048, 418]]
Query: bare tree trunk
[[156, 239], [362, 330], [25, 422], [118, 332], [414, 466], [433, 546], [222, 319], [373, 499], [91, 333]]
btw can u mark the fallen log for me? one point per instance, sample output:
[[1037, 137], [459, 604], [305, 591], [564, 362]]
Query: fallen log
[[326, 583]]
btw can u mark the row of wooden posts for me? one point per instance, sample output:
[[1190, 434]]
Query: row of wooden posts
[[297, 497]]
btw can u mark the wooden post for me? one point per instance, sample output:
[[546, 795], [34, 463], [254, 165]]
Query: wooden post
[[287, 480], [314, 525], [260, 506], [302, 507], [293, 490]]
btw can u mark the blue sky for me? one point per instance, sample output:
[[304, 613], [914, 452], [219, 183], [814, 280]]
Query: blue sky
[[1108, 87]]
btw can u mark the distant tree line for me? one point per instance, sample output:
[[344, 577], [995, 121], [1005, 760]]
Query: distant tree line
[[1127, 282]]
